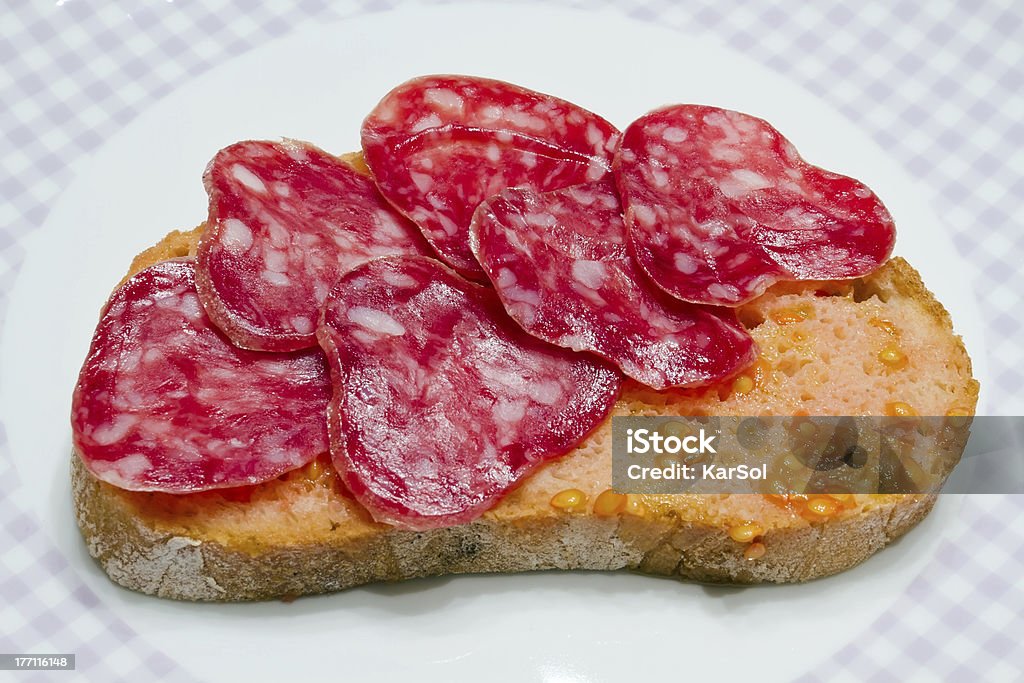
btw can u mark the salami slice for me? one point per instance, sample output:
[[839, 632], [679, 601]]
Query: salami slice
[[439, 145], [441, 402], [165, 402], [720, 206], [560, 263], [286, 220]]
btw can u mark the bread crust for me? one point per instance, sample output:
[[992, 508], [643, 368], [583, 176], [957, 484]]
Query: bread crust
[[141, 557]]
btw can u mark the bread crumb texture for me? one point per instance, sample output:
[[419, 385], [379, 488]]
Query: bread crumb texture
[[846, 348]]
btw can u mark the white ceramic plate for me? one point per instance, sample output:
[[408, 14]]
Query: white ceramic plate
[[317, 84]]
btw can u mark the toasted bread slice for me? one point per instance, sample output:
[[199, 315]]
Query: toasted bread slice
[[821, 354]]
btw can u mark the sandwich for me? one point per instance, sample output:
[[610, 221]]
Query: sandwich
[[409, 361]]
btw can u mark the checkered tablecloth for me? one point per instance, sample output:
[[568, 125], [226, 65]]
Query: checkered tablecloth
[[945, 84]]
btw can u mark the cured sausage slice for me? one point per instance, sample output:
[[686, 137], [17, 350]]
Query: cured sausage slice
[[720, 206], [286, 220], [165, 402], [439, 145], [561, 266], [441, 402]]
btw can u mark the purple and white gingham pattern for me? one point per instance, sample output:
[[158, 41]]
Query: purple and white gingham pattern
[[940, 85]]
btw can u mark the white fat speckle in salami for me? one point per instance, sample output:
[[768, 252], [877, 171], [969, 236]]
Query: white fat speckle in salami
[[644, 215], [742, 182], [268, 259], [303, 324], [659, 177], [124, 472], [508, 413], [377, 321], [165, 403], [425, 123], [190, 307], [592, 274], [128, 469], [719, 206], [726, 293], [445, 100], [674, 135], [565, 253], [727, 153], [548, 393], [431, 427], [248, 178], [685, 263], [237, 237], [272, 277], [114, 430], [439, 145], [422, 181]]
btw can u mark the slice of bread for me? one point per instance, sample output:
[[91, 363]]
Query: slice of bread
[[867, 347]]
